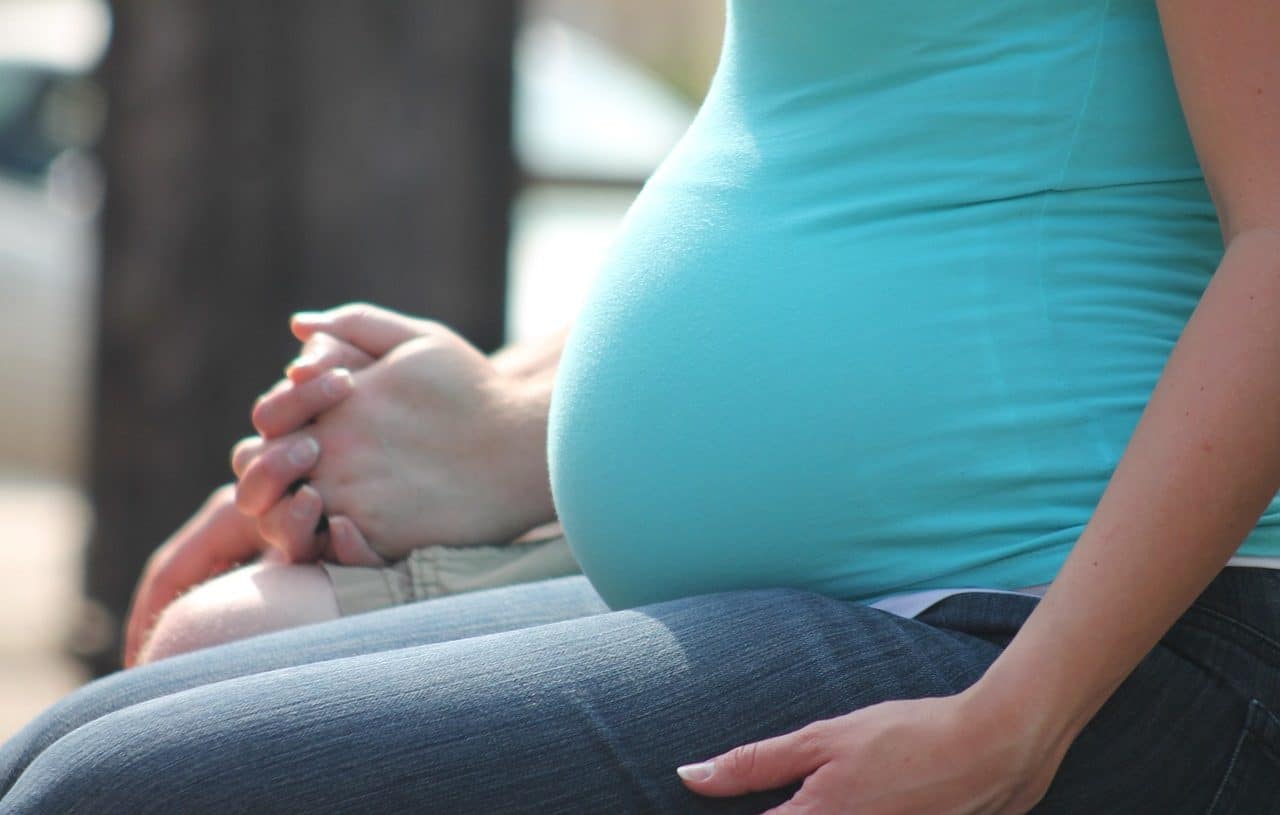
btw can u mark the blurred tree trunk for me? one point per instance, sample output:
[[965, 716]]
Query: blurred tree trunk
[[261, 158]]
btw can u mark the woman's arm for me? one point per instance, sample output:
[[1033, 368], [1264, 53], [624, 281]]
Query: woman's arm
[[1204, 461], [1200, 468]]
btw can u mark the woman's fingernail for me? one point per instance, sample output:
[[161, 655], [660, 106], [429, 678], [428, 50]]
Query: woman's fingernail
[[308, 317], [304, 453], [338, 384], [697, 772]]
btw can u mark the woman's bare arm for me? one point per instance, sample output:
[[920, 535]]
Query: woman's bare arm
[[1204, 460], [1198, 472]]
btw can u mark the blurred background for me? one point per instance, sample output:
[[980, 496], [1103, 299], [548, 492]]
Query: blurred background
[[177, 178]]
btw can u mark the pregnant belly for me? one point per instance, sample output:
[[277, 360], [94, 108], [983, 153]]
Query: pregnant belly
[[742, 404]]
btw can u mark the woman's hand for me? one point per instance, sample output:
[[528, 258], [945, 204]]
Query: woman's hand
[[954, 755], [216, 538], [430, 444]]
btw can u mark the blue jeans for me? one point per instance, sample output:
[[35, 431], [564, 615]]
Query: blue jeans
[[538, 699]]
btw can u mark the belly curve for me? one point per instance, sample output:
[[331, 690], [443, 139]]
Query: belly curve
[[741, 407], [888, 327]]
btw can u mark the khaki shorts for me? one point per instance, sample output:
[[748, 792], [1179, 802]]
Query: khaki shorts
[[435, 571]]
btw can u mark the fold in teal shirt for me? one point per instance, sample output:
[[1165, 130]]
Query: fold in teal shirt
[[886, 317]]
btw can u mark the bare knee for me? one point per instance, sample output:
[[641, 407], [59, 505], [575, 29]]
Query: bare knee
[[251, 600]]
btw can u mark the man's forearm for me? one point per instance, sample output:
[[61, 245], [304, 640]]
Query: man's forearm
[[535, 359], [531, 366], [1200, 469]]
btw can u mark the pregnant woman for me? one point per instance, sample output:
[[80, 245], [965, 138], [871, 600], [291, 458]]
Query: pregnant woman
[[920, 437]]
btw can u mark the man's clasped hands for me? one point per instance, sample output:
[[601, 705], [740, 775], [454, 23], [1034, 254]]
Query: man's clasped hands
[[387, 433]]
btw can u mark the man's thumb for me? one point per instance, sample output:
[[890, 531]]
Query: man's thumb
[[763, 765], [372, 329]]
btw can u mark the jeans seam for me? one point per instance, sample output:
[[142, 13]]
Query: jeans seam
[[1273, 644], [1260, 716], [1231, 766], [1214, 673]]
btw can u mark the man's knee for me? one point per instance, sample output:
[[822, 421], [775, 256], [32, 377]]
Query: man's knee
[[251, 600]]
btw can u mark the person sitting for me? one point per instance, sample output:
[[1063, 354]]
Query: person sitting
[[917, 442]]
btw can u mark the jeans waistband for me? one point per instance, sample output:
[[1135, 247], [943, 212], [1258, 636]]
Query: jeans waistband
[[1232, 629]]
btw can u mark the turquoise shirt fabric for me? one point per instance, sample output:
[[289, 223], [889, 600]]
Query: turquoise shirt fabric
[[886, 317]]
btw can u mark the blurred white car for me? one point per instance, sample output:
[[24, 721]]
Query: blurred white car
[[49, 194]]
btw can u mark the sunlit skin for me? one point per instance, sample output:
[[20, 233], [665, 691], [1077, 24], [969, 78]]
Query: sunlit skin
[[218, 538], [396, 358], [1199, 469], [431, 443]]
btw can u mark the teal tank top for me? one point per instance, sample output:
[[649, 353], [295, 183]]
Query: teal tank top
[[885, 318]]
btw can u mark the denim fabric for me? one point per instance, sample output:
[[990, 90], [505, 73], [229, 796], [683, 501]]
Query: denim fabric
[[466, 615], [387, 712]]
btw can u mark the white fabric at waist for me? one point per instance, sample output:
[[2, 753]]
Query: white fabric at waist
[[913, 603]]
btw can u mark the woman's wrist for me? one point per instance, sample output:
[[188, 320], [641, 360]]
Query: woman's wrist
[[1029, 699], [1012, 701]]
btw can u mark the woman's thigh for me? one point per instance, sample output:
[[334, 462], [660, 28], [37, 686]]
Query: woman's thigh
[[594, 714], [447, 618]]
